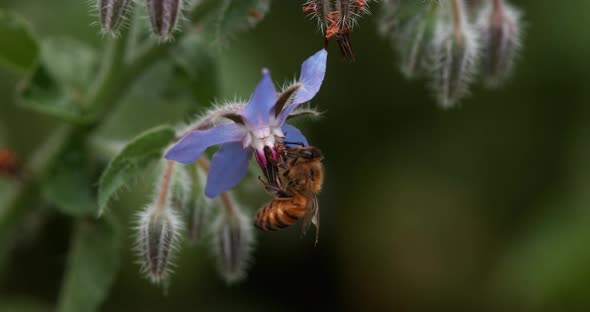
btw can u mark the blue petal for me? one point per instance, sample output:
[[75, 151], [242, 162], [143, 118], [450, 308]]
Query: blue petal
[[191, 146], [293, 135], [258, 110], [228, 167], [313, 71]]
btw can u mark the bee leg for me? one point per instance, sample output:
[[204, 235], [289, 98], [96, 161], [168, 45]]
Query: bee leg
[[275, 190]]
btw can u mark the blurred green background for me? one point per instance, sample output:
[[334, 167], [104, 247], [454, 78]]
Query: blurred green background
[[481, 208]]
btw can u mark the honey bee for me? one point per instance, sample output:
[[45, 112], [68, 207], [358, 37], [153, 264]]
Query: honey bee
[[303, 175]]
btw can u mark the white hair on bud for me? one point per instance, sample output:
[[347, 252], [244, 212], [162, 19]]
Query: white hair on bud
[[233, 241], [454, 53], [389, 18], [111, 15], [348, 12], [501, 36], [158, 230], [165, 17], [157, 239]]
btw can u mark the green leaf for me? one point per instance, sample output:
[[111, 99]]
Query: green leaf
[[196, 68], [140, 153], [68, 184], [239, 16], [232, 17], [60, 82], [19, 46], [92, 264]]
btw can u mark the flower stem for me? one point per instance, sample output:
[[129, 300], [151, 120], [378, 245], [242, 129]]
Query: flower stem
[[115, 77], [164, 189], [457, 20], [113, 61], [497, 12], [15, 206]]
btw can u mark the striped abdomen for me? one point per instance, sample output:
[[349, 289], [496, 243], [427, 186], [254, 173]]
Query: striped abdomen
[[280, 213]]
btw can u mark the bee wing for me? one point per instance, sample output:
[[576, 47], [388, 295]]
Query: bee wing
[[316, 218], [312, 210]]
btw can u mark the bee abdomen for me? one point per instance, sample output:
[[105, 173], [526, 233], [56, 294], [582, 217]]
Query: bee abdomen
[[277, 215]]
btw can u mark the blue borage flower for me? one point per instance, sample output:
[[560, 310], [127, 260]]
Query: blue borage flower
[[257, 128]]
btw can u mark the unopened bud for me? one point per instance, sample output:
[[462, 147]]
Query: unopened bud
[[389, 17], [199, 206], [410, 27], [112, 13], [336, 19], [501, 36], [157, 237], [164, 16], [234, 237], [455, 52], [474, 7]]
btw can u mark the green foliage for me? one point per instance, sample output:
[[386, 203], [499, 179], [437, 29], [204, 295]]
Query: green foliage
[[232, 17], [91, 266], [23, 305], [139, 153], [68, 184], [196, 68], [19, 46], [61, 80], [238, 16]]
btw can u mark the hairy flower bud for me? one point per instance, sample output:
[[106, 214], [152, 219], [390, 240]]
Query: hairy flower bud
[[474, 6], [501, 36], [112, 13], [199, 206], [455, 51], [158, 229], [233, 240], [410, 26], [164, 16], [336, 19], [157, 237], [389, 19]]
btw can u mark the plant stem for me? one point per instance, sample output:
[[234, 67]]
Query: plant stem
[[457, 20], [14, 207], [497, 13], [113, 61], [164, 189], [115, 77]]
